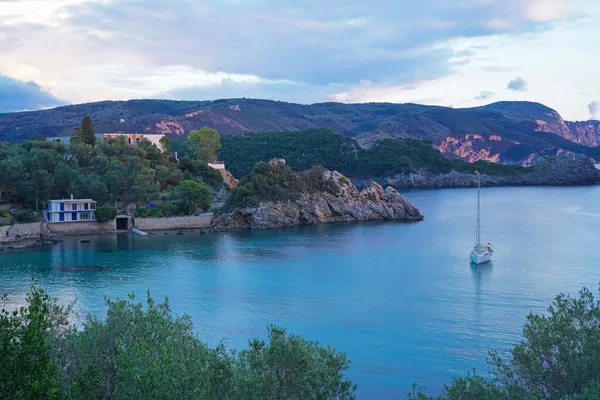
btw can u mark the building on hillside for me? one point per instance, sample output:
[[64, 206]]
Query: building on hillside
[[218, 165], [59, 139], [71, 210], [130, 138], [134, 138]]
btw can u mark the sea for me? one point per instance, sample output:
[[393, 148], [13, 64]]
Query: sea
[[400, 299]]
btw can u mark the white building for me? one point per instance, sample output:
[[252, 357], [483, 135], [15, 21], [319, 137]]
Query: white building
[[218, 165], [130, 138], [133, 138], [71, 210]]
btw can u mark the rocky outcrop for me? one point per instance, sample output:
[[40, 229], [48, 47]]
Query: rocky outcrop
[[347, 205], [229, 179], [560, 171], [21, 236]]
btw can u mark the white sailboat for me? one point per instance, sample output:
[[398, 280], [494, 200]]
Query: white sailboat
[[481, 253]]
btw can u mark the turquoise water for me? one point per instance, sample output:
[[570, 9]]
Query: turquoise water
[[400, 299]]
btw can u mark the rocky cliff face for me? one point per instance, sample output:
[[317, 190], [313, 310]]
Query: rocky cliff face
[[474, 147], [349, 205], [561, 171], [585, 132]]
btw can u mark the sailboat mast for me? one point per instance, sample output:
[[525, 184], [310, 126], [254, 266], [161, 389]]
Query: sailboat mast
[[478, 210]]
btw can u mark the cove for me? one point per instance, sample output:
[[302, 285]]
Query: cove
[[401, 299]]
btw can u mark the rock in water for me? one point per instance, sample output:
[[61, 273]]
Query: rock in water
[[343, 204]]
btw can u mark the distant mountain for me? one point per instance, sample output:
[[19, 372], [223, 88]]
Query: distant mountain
[[507, 132]]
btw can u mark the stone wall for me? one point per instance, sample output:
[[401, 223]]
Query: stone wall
[[19, 232], [81, 228], [163, 224]]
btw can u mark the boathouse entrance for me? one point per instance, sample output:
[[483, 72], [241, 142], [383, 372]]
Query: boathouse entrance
[[122, 222]]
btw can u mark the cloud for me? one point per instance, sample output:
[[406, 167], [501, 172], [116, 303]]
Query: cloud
[[518, 84], [303, 51], [484, 95], [593, 108], [283, 91], [312, 42], [17, 95], [545, 10]]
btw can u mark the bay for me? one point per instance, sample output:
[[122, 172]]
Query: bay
[[400, 299]]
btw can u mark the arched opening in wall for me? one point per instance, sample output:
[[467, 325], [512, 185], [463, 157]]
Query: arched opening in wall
[[122, 223]]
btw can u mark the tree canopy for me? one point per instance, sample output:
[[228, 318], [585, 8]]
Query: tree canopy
[[192, 194], [143, 351], [305, 149], [33, 172], [206, 142], [85, 133]]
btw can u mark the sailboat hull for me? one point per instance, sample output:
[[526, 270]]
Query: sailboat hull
[[481, 258]]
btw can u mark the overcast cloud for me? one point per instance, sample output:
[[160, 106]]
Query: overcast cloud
[[431, 51]]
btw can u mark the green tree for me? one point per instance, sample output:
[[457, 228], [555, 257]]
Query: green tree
[[28, 339], [144, 187], [206, 143], [290, 367], [193, 195], [87, 131], [105, 213], [165, 143]]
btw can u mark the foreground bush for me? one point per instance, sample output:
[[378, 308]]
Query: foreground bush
[[557, 359], [142, 351]]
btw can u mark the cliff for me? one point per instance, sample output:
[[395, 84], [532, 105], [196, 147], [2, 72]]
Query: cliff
[[342, 202], [559, 171]]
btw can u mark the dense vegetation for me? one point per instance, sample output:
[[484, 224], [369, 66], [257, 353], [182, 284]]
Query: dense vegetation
[[109, 172], [105, 213], [143, 351], [303, 150], [277, 182]]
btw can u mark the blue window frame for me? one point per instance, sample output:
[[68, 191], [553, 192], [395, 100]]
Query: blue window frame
[[62, 217], [86, 206], [62, 206], [73, 216], [74, 207]]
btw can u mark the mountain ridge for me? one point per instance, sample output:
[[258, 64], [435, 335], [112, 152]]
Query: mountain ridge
[[506, 132]]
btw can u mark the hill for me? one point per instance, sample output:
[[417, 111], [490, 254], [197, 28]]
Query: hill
[[506, 132]]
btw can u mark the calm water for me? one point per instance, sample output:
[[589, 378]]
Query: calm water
[[400, 299]]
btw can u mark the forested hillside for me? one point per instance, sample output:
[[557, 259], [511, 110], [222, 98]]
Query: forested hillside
[[506, 132], [305, 149]]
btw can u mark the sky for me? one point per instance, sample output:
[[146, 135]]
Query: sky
[[457, 53]]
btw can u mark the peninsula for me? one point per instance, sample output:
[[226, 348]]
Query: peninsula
[[274, 197]]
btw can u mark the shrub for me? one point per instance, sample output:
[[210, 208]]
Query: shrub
[[266, 183], [105, 213], [159, 211], [4, 214], [315, 182], [27, 216]]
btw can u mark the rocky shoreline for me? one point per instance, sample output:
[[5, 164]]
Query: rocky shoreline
[[556, 172], [347, 205]]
